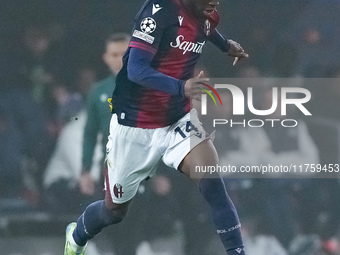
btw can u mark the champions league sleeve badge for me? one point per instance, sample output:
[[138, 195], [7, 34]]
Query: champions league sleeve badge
[[148, 25]]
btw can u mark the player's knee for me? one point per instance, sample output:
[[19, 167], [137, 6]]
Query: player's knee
[[117, 212], [118, 215]]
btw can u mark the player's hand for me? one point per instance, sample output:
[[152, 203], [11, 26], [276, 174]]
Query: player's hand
[[193, 87], [86, 184], [236, 51]]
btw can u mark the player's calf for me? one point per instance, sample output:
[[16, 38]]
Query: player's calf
[[96, 217], [224, 214]]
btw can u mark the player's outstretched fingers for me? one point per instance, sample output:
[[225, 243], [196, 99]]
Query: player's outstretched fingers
[[201, 74], [199, 79], [193, 87], [199, 86], [235, 60], [241, 55]]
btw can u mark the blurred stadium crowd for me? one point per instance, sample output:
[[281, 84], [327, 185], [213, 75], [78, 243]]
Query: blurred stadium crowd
[[50, 56]]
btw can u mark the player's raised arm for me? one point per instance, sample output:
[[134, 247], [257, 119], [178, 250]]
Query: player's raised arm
[[236, 51], [232, 48]]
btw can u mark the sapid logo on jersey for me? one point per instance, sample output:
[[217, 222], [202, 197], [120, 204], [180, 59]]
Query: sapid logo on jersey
[[238, 106], [186, 46]]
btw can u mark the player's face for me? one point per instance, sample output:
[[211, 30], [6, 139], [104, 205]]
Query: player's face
[[114, 54], [203, 8]]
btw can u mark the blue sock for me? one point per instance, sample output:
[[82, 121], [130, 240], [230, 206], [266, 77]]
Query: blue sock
[[224, 214], [95, 217]]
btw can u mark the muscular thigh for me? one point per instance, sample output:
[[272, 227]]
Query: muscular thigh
[[132, 156], [204, 154]]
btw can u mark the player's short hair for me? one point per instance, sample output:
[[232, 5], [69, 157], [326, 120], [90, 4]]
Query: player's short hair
[[117, 37]]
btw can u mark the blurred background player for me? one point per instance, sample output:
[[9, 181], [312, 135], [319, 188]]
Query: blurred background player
[[153, 108], [98, 110]]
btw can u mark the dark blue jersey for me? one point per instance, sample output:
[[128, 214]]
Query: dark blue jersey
[[166, 43]]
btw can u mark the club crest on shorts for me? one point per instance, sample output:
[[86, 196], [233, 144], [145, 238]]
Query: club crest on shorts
[[118, 190], [148, 25]]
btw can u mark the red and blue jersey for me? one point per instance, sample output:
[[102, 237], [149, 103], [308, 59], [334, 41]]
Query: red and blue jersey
[[166, 44]]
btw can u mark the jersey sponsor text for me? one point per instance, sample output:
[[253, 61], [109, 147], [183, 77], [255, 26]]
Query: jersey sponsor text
[[187, 46]]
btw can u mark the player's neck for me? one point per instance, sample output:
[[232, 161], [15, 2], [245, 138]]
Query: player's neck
[[191, 8]]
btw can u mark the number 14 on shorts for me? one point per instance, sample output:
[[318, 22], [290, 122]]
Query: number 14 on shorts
[[188, 128]]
